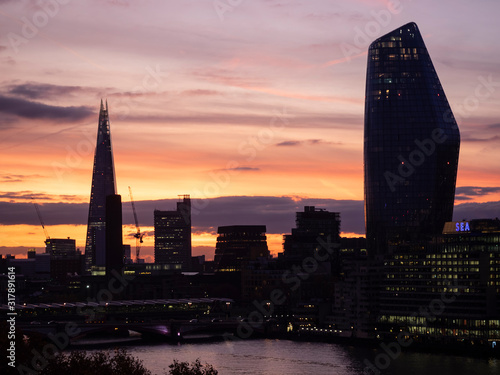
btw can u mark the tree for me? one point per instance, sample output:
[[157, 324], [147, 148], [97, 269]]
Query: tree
[[101, 362], [183, 368]]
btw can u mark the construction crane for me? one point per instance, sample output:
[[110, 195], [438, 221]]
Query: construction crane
[[138, 235], [40, 218]]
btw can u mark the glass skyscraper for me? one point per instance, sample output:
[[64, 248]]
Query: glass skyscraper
[[103, 185], [411, 144]]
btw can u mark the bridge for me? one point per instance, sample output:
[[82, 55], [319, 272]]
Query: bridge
[[163, 330], [161, 318]]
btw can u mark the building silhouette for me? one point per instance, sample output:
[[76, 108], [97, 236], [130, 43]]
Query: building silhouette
[[239, 244], [60, 247], [114, 234], [65, 259], [314, 227], [173, 235], [103, 184], [411, 144]]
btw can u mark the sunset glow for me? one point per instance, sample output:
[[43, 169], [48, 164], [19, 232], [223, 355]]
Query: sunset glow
[[263, 102]]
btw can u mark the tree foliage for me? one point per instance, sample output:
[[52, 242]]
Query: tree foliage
[[196, 368], [101, 362]]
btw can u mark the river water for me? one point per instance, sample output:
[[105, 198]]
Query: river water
[[283, 357]]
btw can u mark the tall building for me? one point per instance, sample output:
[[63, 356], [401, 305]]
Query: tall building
[[173, 235], [238, 244], [411, 144], [314, 228], [103, 184]]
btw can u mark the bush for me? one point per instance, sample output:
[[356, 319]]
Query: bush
[[101, 363], [182, 368]]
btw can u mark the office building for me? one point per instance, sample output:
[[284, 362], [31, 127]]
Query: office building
[[173, 235], [450, 290], [411, 144], [239, 244], [65, 260], [103, 184], [62, 247], [314, 228]]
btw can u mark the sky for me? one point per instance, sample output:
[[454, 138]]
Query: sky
[[254, 108]]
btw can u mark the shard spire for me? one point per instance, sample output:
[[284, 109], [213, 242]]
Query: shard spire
[[103, 185]]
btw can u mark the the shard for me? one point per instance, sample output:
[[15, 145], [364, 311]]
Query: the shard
[[411, 144], [103, 185]]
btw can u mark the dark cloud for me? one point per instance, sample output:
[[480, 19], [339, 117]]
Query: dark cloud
[[33, 90], [28, 195], [34, 110], [277, 213], [469, 211], [464, 193], [52, 213], [289, 143]]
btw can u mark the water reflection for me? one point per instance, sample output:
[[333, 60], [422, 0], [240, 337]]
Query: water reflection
[[278, 357]]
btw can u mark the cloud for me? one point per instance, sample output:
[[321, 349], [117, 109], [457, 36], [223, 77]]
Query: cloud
[[289, 143], [52, 213], [17, 178], [479, 140], [12, 178], [34, 110], [200, 92], [27, 195], [33, 90], [470, 211], [277, 213], [467, 192], [306, 142]]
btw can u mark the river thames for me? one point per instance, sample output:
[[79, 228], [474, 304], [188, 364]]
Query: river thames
[[279, 357]]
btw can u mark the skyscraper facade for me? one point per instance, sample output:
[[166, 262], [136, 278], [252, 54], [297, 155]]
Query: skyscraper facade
[[239, 244], [411, 144], [314, 228], [103, 184], [173, 235]]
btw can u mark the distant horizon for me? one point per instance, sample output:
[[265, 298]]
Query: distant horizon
[[256, 112]]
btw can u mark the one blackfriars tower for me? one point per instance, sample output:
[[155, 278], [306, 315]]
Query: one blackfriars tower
[[411, 144], [103, 185]]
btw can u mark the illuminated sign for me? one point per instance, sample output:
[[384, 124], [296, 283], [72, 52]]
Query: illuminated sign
[[462, 226]]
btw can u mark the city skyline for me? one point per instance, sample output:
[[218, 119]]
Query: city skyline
[[264, 102]]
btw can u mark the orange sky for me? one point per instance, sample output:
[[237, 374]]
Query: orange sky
[[263, 102]]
